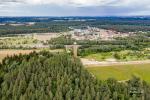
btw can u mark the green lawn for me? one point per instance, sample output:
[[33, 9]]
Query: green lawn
[[100, 56], [122, 72]]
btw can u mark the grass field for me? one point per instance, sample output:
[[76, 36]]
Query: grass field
[[122, 72]]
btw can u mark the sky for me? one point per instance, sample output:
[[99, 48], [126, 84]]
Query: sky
[[74, 7]]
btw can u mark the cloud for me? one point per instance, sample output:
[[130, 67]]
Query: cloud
[[69, 2], [81, 3], [75, 7], [5, 2]]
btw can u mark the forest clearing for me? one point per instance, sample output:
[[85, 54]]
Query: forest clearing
[[121, 72]]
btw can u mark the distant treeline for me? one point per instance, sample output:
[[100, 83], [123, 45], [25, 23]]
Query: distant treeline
[[37, 28], [62, 24], [137, 41]]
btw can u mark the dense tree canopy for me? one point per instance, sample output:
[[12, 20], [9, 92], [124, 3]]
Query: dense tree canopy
[[46, 76]]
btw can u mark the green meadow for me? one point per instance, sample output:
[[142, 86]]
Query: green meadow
[[121, 72]]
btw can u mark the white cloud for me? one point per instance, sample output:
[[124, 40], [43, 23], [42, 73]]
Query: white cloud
[[132, 3], [70, 2], [90, 2], [81, 2], [91, 6]]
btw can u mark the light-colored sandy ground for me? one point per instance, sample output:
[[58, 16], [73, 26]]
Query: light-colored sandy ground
[[93, 63], [45, 36]]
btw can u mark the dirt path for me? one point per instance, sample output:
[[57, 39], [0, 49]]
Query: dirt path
[[93, 63]]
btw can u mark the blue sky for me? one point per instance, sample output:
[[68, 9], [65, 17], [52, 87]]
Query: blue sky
[[74, 7]]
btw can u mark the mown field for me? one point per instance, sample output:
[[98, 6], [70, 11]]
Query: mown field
[[10, 52], [121, 72]]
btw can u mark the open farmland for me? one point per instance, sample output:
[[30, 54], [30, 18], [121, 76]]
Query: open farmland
[[4, 53], [45, 36], [9, 52], [121, 72]]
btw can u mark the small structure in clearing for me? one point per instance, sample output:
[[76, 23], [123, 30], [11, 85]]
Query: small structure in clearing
[[74, 48]]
